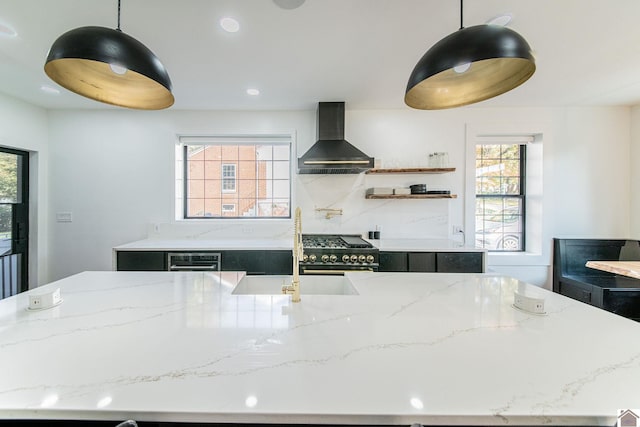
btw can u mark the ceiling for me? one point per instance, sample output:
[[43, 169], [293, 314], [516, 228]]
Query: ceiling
[[358, 51]]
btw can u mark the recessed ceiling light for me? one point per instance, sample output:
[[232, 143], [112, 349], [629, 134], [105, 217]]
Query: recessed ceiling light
[[49, 89], [253, 92], [502, 20], [7, 31], [230, 25], [288, 4]]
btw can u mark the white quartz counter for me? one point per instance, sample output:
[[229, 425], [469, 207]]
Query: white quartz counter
[[423, 245], [392, 245], [203, 244], [410, 348]]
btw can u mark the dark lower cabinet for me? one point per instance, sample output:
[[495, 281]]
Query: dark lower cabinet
[[393, 262], [429, 262], [421, 262], [279, 262], [459, 262], [276, 262], [141, 261], [253, 262], [271, 262]]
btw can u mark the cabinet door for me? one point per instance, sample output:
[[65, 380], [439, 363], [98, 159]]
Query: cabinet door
[[393, 261], [459, 262], [580, 292], [141, 261], [422, 262], [253, 262], [279, 262]]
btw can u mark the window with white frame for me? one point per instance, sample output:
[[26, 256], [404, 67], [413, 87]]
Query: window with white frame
[[233, 177], [500, 196]]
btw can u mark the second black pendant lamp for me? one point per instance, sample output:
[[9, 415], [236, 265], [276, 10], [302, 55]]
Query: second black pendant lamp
[[109, 66], [471, 65]]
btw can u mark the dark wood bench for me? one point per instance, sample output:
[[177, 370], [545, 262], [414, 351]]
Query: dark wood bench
[[611, 292]]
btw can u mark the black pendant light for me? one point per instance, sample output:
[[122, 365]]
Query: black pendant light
[[468, 66], [109, 66]]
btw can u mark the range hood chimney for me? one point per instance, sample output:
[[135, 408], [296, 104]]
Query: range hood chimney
[[331, 153]]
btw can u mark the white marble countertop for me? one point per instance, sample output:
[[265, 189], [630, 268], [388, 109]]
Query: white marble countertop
[[393, 245], [203, 244], [424, 245], [410, 348]]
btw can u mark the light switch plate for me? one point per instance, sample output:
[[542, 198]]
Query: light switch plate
[[64, 217]]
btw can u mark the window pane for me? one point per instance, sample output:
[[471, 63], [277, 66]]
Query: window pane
[[280, 208], [196, 188], [195, 207], [280, 170], [213, 152], [5, 228], [499, 220], [246, 169], [238, 180], [281, 189], [281, 152], [211, 208], [266, 188], [229, 152], [499, 223], [265, 152], [247, 152], [247, 187], [265, 169], [511, 151], [196, 169], [212, 188], [510, 167]]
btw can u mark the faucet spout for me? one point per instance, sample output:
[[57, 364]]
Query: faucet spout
[[293, 289]]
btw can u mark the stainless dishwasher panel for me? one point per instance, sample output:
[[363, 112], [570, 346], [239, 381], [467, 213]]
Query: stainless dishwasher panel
[[194, 261]]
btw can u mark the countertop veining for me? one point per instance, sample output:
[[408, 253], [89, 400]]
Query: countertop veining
[[410, 348]]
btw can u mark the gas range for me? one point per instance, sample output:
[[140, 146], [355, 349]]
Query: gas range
[[336, 254]]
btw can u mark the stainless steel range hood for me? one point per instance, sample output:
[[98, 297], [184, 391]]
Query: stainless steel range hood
[[332, 153]]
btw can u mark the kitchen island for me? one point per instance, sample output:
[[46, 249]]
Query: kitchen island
[[407, 348]]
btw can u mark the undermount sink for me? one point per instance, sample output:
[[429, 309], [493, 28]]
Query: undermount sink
[[309, 285]]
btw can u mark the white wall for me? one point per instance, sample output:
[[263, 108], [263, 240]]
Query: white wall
[[634, 179], [24, 127], [114, 171]]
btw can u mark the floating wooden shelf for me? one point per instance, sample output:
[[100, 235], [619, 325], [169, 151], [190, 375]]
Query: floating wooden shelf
[[411, 170], [411, 196]]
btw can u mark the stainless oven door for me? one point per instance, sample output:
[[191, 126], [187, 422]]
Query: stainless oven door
[[194, 261]]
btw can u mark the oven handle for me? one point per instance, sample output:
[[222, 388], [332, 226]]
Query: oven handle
[[306, 271], [213, 267]]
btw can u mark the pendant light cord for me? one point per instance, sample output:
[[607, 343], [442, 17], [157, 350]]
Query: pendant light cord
[[461, 24], [118, 16]]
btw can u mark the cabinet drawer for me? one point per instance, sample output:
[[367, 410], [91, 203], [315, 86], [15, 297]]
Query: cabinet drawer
[[459, 262], [577, 292], [279, 262], [141, 261], [253, 262], [422, 262], [393, 262]]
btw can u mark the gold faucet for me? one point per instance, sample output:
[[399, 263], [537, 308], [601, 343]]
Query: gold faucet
[[329, 212], [294, 288]]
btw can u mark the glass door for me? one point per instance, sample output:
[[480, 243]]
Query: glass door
[[14, 221]]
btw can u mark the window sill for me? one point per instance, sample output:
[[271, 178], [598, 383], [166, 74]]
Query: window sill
[[517, 258]]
